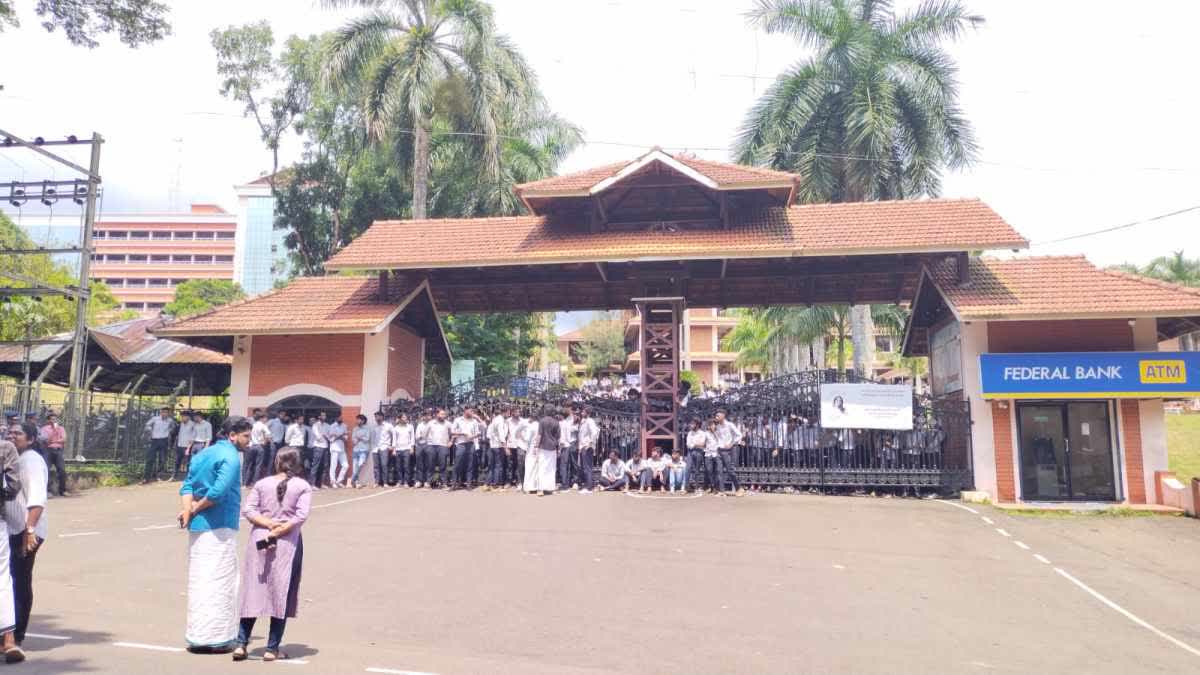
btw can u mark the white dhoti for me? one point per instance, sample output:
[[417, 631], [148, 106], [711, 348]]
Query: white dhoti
[[531, 468], [8, 610], [543, 477], [212, 616]]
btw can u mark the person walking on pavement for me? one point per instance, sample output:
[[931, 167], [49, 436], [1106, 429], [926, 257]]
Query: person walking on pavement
[[159, 428], [54, 437]]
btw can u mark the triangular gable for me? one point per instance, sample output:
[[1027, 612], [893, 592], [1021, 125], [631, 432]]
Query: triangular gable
[[655, 155]]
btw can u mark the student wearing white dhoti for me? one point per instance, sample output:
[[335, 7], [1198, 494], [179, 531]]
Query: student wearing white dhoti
[[14, 518], [211, 508], [546, 451]]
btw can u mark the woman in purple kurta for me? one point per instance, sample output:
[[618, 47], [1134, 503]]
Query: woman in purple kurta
[[276, 507]]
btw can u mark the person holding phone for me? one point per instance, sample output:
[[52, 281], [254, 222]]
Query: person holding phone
[[276, 508], [211, 501]]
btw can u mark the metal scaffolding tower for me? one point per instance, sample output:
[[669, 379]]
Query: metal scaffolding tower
[[83, 191]]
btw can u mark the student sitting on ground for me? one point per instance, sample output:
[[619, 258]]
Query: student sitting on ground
[[633, 470], [678, 471], [612, 473], [654, 473]]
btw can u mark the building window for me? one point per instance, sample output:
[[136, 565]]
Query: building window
[[203, 259], [224, 259], [99, 234], [206, 235], [155, 305], [158, 283], [160, 259], [137, 258], [225, 235], [115, 257], [118, 234], [176, 282], [884, 343], [139, 234], [185, 235], [135, 282], [114, 283], [160, 235]]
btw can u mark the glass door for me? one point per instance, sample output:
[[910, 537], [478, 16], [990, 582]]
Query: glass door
[[1043, 452], [1066, 451], [1090, 452]]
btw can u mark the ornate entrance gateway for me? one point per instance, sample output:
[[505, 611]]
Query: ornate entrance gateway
[[662, 232]]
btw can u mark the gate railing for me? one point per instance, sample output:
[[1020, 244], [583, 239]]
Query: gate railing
[[784, 444]]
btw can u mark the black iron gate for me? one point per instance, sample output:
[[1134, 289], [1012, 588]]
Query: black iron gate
[[784, 444]]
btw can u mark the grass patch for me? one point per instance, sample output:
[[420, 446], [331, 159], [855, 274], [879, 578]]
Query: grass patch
[[105, 475], [1183, 446]]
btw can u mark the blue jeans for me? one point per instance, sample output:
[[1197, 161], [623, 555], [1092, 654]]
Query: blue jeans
[[274, 637], [360, 458], [679, 478]]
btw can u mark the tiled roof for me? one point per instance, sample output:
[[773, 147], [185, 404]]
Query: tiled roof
[[332, 304], [724, 175], [816, 229], [1059, 286], [571, 335]]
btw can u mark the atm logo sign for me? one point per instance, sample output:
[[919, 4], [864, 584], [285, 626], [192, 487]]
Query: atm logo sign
[[1162, 372]]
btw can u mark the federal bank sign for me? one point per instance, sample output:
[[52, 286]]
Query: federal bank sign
[[1091, 375]]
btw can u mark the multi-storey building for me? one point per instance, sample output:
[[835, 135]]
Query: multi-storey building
[[703, 331], [143, 257], [260, 256]]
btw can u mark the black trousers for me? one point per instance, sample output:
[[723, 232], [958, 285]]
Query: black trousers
[[464, 464], [516, 463], [438, 461], [587, 457], [402, 467], [20, 566], [380, 461], [266, 467], [250, 464], [317, 471], [54, 457], [726, 457], [155, 452], [496, 466]]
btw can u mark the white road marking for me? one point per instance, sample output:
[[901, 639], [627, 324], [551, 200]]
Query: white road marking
[[839, 567], [1003, 532], [47, 637], [957, 505], [393, 671], [356, 499], [1041, 558], [1127, 614], [77, 534], [156, 527], [1021, 544], [987, 520], [153, 648], [667, 497]]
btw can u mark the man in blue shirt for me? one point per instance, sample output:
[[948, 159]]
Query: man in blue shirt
[[211, 502]]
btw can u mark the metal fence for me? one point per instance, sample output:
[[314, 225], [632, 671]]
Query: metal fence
[[784, 444]]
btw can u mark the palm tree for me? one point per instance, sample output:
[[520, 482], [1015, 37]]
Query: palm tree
[[1177, 269], [873, 114], [405, 58]]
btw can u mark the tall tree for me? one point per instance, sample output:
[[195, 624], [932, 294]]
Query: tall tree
[[402, 56], [136, 22], [603, 344], [872, 114], [500, 344], [1177, 269], [195, 296]]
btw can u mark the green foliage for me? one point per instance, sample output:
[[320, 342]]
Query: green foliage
[[761, 331], [200, 295], [1183, 446], [136, 22], [603, 345], [692, 378], [750, 339], [1175, 268], [873, 113], [44, 315], [500, 344]]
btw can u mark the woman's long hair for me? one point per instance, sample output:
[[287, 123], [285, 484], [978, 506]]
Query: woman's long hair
[[287, 462]]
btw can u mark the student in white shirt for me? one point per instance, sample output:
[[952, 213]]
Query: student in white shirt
[[497, 437], [612, 473], [256, 454], [515, 467], [567, 448], [160, 429], [588, 435], [360, 440], [437, 439], [728, 435], [696, 439], [677, 469], [465, 434], [320, 452], [338, 466], [403, 451], [712, 458], [423, 459], [654, 475], [183, 444], [381, 448], [202, 435]]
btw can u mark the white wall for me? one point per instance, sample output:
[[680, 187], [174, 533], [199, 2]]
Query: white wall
[[375, 371], [1154, 420], [974, 341]]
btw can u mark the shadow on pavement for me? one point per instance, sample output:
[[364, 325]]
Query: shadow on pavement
[[49, 624]]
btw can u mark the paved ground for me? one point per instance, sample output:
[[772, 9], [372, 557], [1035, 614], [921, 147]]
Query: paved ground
[[488, 583]]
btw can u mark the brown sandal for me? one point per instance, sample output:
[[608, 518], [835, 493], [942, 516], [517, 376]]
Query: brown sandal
[[14, 655]]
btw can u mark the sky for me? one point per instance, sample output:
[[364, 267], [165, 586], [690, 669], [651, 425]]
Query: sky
[[1085, 117]]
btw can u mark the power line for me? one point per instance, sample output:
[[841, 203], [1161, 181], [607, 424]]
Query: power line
[[1081, 235]]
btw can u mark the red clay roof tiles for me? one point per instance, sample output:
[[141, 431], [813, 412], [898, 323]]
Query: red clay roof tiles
[[816, 229], [724, 175], [1059, 286], [331, 304]]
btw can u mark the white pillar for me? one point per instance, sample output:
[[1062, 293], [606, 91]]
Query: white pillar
[[974, 341], [375, 370], [239, 381]]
